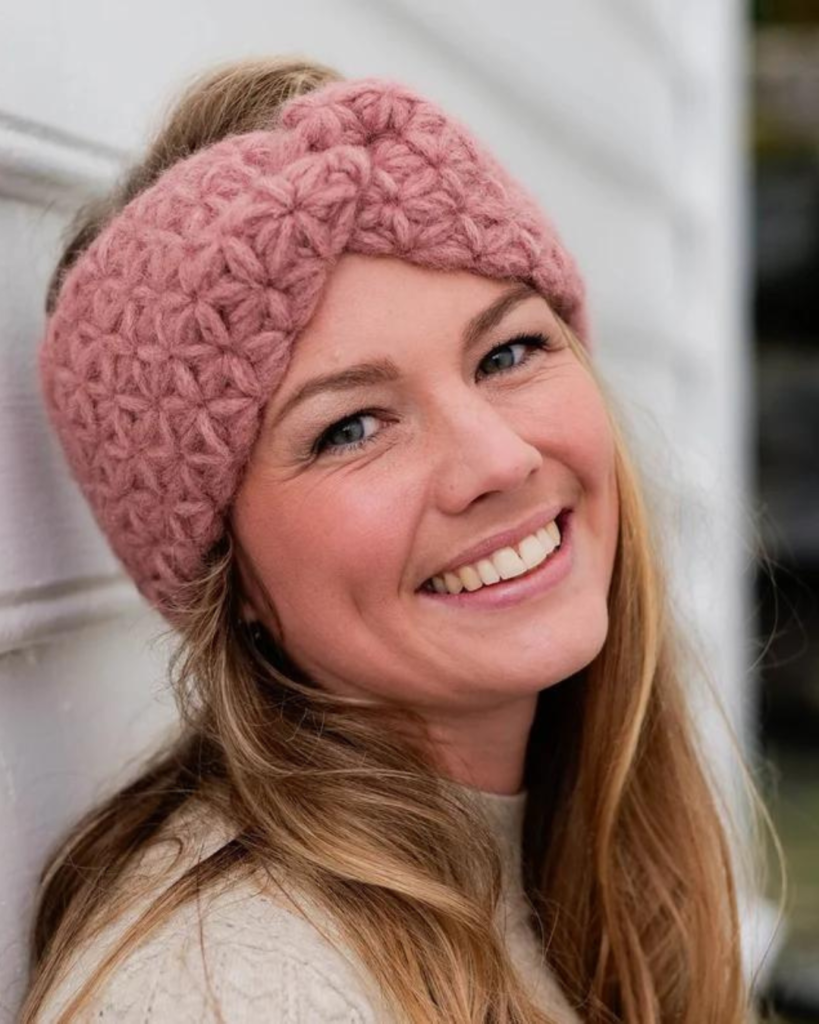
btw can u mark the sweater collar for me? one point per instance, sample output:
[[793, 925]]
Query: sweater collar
[[505, 814]]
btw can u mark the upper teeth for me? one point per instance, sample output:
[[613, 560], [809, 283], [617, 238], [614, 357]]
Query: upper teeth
[[502, 564]]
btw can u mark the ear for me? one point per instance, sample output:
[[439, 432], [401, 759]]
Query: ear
[[247, 606], [253, 604]]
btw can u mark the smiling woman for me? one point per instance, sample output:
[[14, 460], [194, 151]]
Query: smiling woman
[[465, 445], [321, 368]]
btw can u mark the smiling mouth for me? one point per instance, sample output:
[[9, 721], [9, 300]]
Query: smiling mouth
[[507, 563]]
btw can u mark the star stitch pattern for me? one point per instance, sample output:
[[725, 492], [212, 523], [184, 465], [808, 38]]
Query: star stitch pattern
[[174, 328]]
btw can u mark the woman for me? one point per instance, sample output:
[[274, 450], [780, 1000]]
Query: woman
[[320, 366]]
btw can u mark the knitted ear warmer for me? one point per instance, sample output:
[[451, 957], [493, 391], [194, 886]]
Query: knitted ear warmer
[[174, 328]]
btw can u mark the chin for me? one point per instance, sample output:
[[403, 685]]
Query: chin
[[571, 648]]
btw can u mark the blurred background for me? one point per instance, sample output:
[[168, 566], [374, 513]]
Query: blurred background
[[785, 154], [675, 147]]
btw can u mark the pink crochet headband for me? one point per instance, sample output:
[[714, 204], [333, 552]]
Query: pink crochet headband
[[177, 324]]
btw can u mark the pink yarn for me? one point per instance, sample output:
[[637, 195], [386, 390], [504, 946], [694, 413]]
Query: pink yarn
[[176, 325]]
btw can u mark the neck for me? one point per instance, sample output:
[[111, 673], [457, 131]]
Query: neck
[[505, 813], [486, 749]]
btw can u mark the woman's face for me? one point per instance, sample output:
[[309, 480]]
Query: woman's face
[[452, 434]]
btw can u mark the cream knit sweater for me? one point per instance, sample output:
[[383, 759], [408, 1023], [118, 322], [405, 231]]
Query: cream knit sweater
[[252, 953]]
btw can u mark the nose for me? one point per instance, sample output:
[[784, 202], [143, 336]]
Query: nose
[[478, 450]]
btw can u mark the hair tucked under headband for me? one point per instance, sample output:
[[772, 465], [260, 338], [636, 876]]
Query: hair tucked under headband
[[174, 328]]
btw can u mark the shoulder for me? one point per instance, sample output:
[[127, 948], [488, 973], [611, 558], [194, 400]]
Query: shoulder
[[242, 955], [244, 959]]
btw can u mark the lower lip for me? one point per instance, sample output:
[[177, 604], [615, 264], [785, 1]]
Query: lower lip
[[520, 588]]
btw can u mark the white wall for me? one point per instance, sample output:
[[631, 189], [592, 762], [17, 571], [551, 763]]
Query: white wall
[[625, 119]]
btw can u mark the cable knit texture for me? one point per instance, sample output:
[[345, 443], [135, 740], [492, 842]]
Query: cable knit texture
[[174, 328], [249, 955]]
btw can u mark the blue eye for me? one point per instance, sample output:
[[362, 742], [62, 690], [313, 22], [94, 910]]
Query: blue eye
[[345, 427], [353, 439], [529, 342]]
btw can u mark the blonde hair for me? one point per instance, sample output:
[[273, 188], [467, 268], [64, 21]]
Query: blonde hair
[[627, 860]]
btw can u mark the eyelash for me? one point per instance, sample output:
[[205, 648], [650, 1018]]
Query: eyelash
[[534, 342]]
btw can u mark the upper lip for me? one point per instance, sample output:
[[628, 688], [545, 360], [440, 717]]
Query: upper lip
[[506, 538]]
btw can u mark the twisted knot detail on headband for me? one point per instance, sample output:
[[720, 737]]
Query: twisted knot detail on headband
[[177, 324]]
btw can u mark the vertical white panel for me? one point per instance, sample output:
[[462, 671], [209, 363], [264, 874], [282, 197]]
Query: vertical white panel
[[75, 718]]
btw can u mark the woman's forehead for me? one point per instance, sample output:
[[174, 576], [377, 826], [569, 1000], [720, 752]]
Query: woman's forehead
[[368, 299], [377, 314]]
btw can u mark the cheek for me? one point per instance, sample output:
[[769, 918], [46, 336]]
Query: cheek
[[584, 442], [321, 546], [366, 521], [581, 435]]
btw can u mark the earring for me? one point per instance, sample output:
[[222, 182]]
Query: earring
[[251, 627]]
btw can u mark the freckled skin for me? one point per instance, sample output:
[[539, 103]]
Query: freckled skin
[[461, 449]]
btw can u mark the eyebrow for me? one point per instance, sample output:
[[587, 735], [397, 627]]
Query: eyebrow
[[380, 371]]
